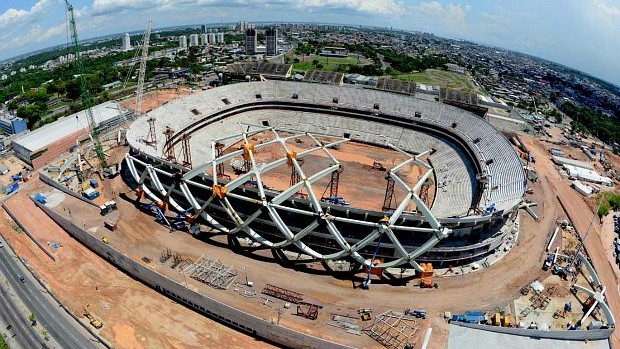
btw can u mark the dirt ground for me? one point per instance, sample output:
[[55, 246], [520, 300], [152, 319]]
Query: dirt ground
[[581, 215], [359, 183], [14, 165], [134, 316], [140, 236], [155, 99]]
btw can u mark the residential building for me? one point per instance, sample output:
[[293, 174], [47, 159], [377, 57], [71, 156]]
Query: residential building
[[182, 41], [126, 42], [271, 35], [250, 41], [193, 40]]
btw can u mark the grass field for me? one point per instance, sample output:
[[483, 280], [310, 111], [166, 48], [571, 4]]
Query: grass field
[[440, 77], [329, 63], [3, 344]]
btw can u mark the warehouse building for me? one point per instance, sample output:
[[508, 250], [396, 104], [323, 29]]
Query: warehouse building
[[38, 147]]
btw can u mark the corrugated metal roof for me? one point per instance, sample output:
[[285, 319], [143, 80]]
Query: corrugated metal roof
[[44, 136], [565, 161]]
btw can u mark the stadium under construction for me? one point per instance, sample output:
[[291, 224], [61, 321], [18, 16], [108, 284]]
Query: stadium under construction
[[267, 163]]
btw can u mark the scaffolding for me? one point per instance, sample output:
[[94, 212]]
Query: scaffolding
[[151, 137], [393, 330], [282, 293], [211, 272], [219, 169], [165, 255], [389, 194], [308, 310], [169, 152], [186, 150]]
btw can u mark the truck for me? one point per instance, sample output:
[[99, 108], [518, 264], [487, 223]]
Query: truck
[[548, 262], [336, 200], [419, 313]]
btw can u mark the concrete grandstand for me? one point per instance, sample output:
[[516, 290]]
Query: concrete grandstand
[[478, 177]]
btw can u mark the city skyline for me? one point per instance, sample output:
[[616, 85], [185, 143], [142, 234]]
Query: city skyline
[[582, 36]]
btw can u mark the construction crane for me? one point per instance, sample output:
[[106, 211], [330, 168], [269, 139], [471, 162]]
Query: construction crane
[[87, 99], [145, 51]]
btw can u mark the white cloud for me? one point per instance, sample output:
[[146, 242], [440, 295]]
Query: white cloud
[[383, 7], [610, 10], [12, 15], [451, 16]]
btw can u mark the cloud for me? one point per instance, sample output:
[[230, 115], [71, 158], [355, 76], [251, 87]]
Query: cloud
[[382, 7], [451, 16], [12, 15], [106, 7], [609, 10]]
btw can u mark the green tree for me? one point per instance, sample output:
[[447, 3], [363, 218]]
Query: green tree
[[33, 319]]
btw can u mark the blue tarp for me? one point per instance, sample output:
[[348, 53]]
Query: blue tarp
[[12, 188], [40, 198]]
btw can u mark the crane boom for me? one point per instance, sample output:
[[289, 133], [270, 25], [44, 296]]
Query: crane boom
[[145, 51], [87, 99]]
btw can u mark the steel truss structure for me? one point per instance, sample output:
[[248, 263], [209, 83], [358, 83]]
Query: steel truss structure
[[393, 330], [222, 191]]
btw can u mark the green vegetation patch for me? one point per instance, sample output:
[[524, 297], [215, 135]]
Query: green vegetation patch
[[3, 344], [611, 201], [592, 122], [324, 63], [37, 154]]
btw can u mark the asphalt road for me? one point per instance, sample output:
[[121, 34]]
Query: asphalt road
[[24, 334], [48, 313]]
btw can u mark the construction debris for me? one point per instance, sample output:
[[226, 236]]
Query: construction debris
[[211, 272], [308, 310], [393, 330], [282, 293]]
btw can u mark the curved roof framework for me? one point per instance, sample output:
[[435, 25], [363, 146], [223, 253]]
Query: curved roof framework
[[221, 192], [501, 174]]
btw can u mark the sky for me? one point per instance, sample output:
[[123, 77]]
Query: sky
[[580, 34]]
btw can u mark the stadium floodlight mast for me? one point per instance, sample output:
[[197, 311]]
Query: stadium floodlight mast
[[274, 206]]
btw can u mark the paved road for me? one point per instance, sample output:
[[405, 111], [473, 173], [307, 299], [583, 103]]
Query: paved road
[[48, 313], [21, 332]]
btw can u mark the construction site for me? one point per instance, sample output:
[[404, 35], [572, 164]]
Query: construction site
[[290, 214]]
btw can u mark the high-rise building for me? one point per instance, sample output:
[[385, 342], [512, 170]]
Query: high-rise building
[[220, 38], [203, 29], [204, 39], [126, 42], [212, 39], [182, 41], [243, 26], [271, 35], [250, 41], [193, 40]]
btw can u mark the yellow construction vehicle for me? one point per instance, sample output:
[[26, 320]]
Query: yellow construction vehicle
[[96, 323], [105, 240]]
